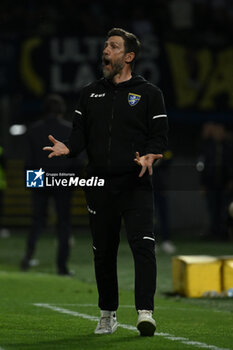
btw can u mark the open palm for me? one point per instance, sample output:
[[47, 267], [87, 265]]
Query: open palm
[[58, 148], [146, 162]]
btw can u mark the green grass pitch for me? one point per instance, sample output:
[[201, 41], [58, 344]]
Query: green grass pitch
[[40, 310]]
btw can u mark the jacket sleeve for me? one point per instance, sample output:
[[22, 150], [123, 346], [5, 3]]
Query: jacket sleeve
[[157, 123], [77, 140]]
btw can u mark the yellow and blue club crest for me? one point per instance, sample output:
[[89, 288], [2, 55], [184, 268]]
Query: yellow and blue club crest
[[133, 99]]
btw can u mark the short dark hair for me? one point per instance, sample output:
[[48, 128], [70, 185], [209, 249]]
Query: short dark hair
[[54, 104], [131, 42]]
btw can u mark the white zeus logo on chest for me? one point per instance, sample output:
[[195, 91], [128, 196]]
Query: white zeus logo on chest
[[97, 95]]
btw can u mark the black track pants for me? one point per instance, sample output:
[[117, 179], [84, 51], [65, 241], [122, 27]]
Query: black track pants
[[106, 209], [62, 199]]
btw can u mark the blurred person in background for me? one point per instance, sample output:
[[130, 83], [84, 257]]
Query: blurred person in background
[[182, 16], [3, 231], [215, 164], [121, 121], [52, 122], [162, 209]]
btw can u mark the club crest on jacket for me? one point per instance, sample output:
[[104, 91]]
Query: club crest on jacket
[[133, 99]]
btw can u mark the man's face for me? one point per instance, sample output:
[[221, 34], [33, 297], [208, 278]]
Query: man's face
[[113, 56]]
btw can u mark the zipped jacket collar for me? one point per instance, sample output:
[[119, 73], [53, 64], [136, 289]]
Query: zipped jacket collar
[[135, 80]]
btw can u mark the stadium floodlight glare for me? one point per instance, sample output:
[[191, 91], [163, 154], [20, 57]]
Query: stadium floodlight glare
[[17, 129]]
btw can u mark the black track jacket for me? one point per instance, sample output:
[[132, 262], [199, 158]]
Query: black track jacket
[[114, 121]]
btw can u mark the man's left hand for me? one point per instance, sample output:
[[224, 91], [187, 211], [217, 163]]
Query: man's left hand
[[146, 162]]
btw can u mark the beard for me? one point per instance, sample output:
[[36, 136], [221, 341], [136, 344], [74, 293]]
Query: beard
[[116, 68]]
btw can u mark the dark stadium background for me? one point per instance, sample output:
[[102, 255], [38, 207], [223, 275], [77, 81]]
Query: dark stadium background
[[55, 46]]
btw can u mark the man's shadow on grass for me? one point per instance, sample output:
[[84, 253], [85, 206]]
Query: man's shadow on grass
[[89, 341]]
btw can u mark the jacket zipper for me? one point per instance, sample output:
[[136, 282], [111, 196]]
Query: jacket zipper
[[110, 129]]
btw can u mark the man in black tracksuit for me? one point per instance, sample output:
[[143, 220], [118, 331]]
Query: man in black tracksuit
[[121, 121], [52, 121]]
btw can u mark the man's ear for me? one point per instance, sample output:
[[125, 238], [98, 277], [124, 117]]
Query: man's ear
[[129, 57]]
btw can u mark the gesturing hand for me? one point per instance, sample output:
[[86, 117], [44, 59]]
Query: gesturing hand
[[58, 148], [146, 162]]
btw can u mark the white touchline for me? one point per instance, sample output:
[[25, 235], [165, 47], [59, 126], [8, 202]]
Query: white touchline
[[1, 348], [157, 307], [92, 305], [129, 327]]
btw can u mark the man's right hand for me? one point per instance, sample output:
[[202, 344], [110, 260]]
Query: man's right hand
[[58, 148]]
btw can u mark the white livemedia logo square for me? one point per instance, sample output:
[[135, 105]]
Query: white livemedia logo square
[[35, 178]]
